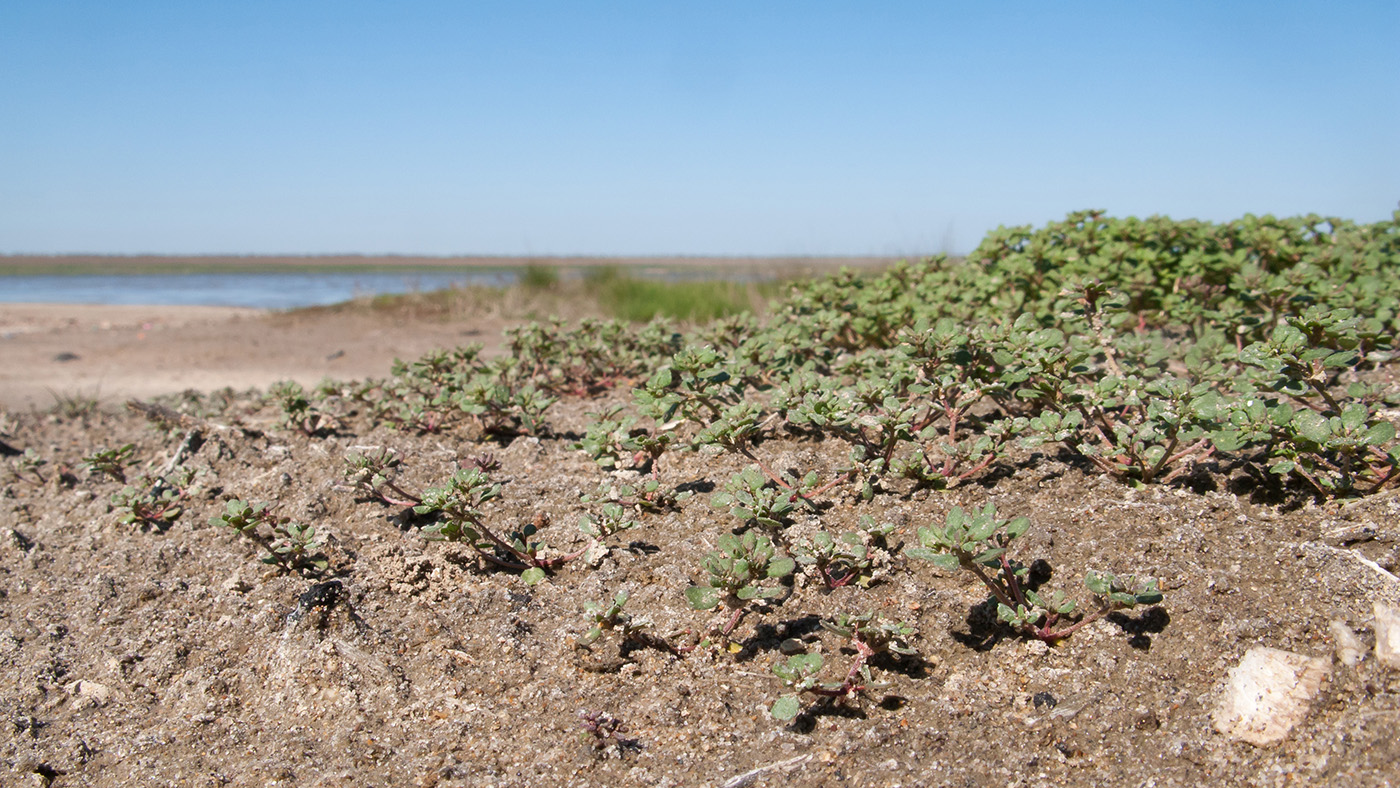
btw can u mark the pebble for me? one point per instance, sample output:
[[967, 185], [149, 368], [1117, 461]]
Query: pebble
[[89, 693], [1348, 646], [1267, 694], [1387, 635]]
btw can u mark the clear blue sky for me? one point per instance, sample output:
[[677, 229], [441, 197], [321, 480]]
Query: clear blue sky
[[698, 128]]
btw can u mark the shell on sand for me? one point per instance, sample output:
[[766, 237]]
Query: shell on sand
[[1267, 694]]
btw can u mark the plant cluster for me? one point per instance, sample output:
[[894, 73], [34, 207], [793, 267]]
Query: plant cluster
[[868, 634], [292, 546], [112, 462], [458, 516], [1150, 350], [979, 543]]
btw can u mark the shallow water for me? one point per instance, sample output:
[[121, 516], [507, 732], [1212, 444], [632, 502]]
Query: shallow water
[[261, 290]]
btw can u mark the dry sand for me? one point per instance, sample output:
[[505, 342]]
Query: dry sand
[[113, 353]]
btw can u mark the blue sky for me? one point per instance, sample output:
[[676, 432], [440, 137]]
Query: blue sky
[[654, 128]]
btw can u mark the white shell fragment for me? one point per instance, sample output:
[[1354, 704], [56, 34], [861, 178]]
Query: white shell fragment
[[1267, 694], [89, 693], [1347, 644], [1388, 635]]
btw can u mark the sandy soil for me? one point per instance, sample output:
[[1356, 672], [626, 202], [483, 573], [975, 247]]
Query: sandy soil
[[170, 656], [114, 353]]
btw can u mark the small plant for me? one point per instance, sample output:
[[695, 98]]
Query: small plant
[[748, 497], [112, 462], [156, 507], [979, 542], [1145, 431], [602, 730], [868, 634], [292, 546], [613, 519], [608, 617], [29, 464], [875, 632], [75, 406], [1352, 453], [736, 573], [298, 412], [617, 443], [844, 559], [696, 385], [1339, 455], [457, 506], [372, 473], [647, 496]]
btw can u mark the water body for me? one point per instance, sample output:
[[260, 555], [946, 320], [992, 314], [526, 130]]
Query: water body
[[260, 290], [289, 290]]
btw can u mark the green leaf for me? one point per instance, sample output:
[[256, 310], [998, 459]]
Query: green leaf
[[1097, 583], [785, 708], [781, 567], [532, 576], [1380, 433], [1017, 527], [701, 597], [1312, 426], [990, 557], [941, 560]]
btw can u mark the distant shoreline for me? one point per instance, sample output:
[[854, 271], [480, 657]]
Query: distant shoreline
[[31, 265]]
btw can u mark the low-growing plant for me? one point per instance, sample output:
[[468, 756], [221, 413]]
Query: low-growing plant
[[372, 471], [748, 496], [695, 385], [601, 731], [847, 558], [503, 410], [457, 509], [611, 520], [152, 508], [616, 443], [155, 503], [647, 495], [292, 546], [28, 467], [979, 542], [299, 413], [1145, 431], [1351, 453], [736, 575], [868, 634], [112, 462], [74, 406], [609, 617]]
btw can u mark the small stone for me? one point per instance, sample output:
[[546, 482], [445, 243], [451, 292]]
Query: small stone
[[89, 693], [1345, 642], [1387, 635], [792, 646], [1147, 721], [1267, 694]]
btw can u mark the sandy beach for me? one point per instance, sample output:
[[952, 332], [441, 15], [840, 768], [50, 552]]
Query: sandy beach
[[114, 353]]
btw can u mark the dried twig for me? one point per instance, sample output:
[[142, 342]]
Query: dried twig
[[747, 778]]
